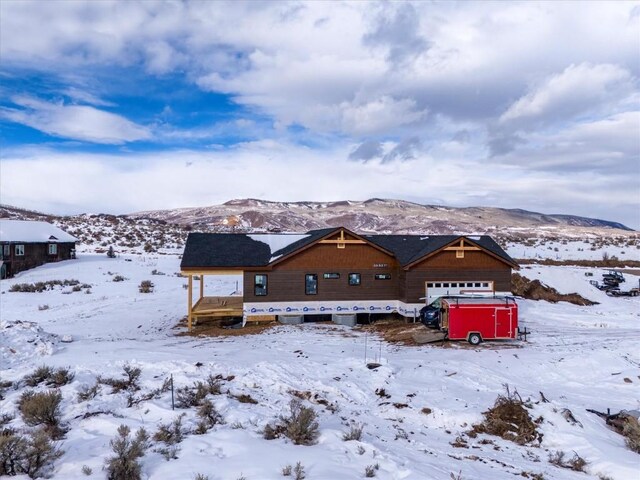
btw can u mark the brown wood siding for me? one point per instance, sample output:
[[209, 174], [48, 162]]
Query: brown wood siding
[[476, 266], [35, 254], [286, 282]]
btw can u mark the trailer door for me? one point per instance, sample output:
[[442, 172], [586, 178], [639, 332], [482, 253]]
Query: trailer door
[[503, 323]]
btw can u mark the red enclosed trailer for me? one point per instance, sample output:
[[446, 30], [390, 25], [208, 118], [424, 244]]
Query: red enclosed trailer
[[476, 319]]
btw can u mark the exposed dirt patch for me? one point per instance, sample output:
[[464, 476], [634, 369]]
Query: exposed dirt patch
[[215, 328], [536, 290], [395, 331]]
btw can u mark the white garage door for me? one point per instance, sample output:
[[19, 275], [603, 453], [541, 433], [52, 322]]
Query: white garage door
[[439, 289]]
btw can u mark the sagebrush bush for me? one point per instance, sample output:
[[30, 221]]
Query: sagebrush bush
[[146, 286], [49, 376], [194, 395], [87, 392], [301, 426], [32, 455], [209, 417], [354, 433], [42, 408], [371, 470], [125, 464], [130, 382]]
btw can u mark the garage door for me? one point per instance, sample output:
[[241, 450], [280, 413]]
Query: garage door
[[440, 289]]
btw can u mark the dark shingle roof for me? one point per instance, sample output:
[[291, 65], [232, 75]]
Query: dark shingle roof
[[208, 250]]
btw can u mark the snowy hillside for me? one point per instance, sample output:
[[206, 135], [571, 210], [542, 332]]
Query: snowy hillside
[[415, 409]]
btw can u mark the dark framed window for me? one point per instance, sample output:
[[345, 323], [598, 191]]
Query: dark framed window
[[260, 285], [354, 279], [331, 276], [19, 250], [6, 251], [311, 284], [53, 249], [383, 276]]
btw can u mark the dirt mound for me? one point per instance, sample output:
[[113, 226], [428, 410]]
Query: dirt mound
[[536, 290]]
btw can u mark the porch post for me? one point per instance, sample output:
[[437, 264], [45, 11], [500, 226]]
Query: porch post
[[201, 286], [190, 302]]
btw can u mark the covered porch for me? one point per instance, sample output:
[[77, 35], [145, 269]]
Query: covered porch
[[218, 306]]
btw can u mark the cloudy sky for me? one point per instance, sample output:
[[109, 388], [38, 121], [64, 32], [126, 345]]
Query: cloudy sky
[[127, 106]]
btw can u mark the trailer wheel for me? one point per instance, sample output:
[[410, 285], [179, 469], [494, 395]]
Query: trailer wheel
[[474, 339]]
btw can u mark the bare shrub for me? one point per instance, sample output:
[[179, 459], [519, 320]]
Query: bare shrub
[[5, 418], [86, 469], [125, 464], [4, 384], [38, 376], [300, 426], [354, 433], [49, 376], [200, 476], [298, 471], [509, 419], [194, 395], [361, 450], [43, 307], [87, 393], [170, 434], [146, 286], [576, 463], [32, 455], [286, 470], [245, 398], [42, 408], [60, 377], [130, 382], [118, 278], [209, 417], [371, 470]]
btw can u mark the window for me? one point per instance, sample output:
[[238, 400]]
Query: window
[[311, 284], [383, 276], [454, 285], [437, 285], [469, 285], [477, 285], [429, 285], [445, 285], [6, 251], [19, 250], [485, 285], [331, 276], [354, 279], [53, 249], [260, 285]]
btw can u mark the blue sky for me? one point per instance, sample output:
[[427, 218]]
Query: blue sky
[[128, 106]]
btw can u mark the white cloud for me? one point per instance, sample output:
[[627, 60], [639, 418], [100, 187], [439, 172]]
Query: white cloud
[[77, 122], [578, 89], [277, 171]]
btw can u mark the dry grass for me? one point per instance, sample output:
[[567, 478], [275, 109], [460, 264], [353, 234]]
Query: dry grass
[[610, 263]]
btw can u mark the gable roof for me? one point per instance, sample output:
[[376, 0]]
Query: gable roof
[[32, 232], [237, 250]]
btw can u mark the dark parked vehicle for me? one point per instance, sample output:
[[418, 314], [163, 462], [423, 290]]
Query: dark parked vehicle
[[430, 314]]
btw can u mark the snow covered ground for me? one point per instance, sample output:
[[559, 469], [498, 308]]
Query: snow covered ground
[[579, 357]]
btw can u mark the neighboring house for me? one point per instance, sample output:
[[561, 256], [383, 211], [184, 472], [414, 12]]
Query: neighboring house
[[336, 271], [27, 244]]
